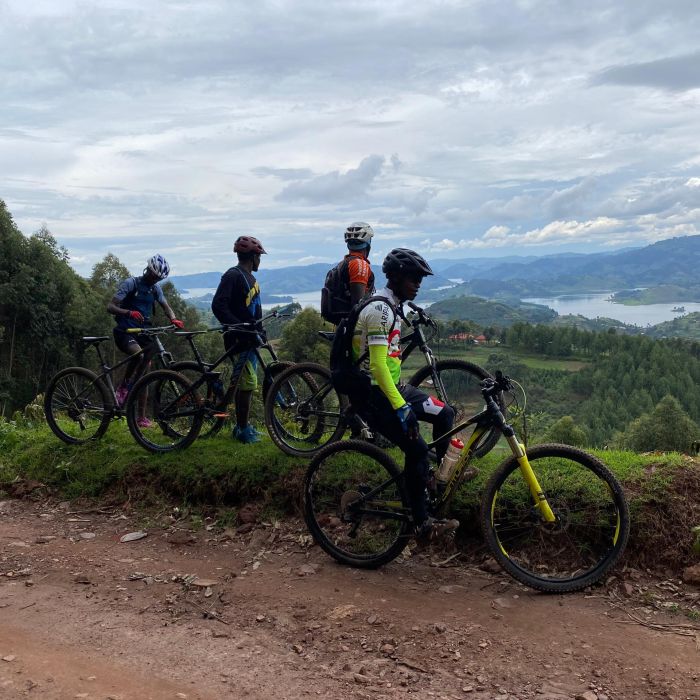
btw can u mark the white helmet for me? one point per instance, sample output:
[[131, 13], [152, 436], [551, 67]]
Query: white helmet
[[158, 266], [358, 235]]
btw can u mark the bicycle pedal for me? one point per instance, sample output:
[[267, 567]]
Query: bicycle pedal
[[220, 415]]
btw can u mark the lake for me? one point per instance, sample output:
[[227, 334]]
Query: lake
[[588, 305], [594, 305]]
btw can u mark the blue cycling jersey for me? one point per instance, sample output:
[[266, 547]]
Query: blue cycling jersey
[[135, 295]]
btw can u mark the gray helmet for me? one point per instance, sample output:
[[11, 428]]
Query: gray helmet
[[403, 260], [358, 235]]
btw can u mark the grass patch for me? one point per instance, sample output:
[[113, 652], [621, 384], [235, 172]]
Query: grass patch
[[663, 489]]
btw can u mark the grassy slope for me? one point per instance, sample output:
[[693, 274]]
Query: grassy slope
[[664, 490]]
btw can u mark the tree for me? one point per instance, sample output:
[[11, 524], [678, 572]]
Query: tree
[[566, 431], [667, 428], [108, 273], [300, 340]]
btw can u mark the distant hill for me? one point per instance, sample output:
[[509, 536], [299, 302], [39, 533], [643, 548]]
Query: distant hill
[[664, 293], [687, 326], [490, 313], [288, 280], [673, 262]]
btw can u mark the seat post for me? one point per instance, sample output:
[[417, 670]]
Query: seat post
[[98, 350]]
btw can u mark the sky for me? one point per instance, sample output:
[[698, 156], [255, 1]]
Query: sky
[[459, 129]]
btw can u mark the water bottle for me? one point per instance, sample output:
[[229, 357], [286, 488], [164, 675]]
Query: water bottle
[[449, 461]]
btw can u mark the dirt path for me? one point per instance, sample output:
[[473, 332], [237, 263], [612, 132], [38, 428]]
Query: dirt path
[[85, 616]]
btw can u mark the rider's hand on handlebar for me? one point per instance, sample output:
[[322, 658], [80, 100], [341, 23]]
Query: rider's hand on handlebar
[[136, 316], [177, 323]]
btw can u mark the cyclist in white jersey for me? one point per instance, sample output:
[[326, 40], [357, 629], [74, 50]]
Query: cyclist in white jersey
[[390, 408]]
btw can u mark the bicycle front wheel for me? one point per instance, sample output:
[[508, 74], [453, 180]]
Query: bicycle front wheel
[[355, 504], [303, 412], [77, 406], [211, 393], [591, 524], [162, 412], [458, 383]]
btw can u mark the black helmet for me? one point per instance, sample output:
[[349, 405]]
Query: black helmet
[[406, 261]]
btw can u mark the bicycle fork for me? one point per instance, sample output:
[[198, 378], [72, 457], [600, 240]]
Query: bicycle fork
[[530, 477]]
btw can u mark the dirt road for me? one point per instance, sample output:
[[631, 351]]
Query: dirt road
[[85, 616]]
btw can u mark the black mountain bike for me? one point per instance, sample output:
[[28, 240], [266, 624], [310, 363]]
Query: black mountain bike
[[79, 404], [554, 517], [307, 413], [190, 399]]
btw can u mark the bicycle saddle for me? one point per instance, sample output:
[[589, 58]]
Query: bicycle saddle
[[327, 335], [93, 340]]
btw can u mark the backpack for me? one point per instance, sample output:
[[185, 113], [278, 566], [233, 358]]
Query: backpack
[[346, 375], [336, 302]]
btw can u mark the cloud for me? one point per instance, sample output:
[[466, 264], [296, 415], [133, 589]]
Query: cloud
[[335, 186], [125, 125], [673, 73], [283, 173]]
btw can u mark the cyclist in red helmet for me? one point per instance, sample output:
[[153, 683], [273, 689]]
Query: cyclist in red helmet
[[237, 300]]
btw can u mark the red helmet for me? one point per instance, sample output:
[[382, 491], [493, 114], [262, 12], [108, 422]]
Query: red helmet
[[248, 244]]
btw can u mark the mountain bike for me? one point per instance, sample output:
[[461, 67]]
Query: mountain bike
[[308, 413], [554, 517], [80, 404], [189, 398]]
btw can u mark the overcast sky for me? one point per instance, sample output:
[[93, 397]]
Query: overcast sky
[[457, 128]]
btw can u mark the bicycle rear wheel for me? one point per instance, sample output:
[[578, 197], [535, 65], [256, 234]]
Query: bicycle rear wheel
[[355, 504], [303, 412], [173, 413], [77, 406], [459, 385], [591, 527]]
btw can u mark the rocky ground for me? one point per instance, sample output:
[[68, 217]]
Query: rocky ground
[[257, 611]]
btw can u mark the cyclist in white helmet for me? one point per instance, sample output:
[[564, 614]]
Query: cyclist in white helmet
[[132, 305], [352, 278]]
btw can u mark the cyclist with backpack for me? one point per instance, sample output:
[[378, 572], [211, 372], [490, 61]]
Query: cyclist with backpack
[[237, 300], [352, 278], [133, 305], [373, 381]]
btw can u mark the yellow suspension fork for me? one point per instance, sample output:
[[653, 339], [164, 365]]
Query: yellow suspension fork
[[531, 479]]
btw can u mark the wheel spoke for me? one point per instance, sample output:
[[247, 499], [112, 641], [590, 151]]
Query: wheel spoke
[[581, 544]]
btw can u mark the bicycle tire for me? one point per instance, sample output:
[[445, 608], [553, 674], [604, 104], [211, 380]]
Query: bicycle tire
[[66, 405], [471, 401], [178, 430], [567, 476], [336, 478], [298, 421]]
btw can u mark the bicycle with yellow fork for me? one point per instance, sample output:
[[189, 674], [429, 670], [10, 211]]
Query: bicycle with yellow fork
[[554, 517]]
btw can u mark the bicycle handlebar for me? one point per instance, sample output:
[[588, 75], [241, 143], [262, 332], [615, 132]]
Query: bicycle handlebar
[[495, 385], [422, 316], [151, 331]]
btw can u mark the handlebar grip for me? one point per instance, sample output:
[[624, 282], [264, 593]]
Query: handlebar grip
[[134, 330]]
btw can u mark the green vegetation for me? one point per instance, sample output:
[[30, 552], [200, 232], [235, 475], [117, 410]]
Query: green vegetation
[[666, 428], [487, 313], [300, 340], [686, 326], [664, 490], [661, 294]]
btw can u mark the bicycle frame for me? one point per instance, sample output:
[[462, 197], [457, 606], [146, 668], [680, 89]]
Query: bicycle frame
[[208, 370], [483, 421], [161, 353]]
